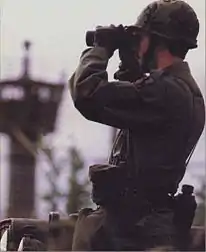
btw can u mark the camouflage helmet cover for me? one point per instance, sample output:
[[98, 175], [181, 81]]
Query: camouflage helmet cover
[[172, 19]]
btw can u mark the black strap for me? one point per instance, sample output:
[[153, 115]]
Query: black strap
[[188, 158], [190, 155]]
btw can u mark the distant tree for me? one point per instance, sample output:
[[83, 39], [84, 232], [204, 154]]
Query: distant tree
[[114, 132], [53, 195], [201, 211], [78, 195]]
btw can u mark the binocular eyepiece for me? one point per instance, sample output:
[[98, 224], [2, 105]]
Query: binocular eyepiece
[[90, 38]]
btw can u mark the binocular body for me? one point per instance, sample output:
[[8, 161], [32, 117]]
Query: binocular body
[[117, 36]]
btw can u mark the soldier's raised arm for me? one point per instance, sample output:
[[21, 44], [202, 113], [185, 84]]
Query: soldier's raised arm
[[121, 104]]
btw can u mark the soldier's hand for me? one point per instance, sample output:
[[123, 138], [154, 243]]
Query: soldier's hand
[[108, 37]]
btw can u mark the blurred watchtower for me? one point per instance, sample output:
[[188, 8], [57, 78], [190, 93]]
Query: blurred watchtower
[[28, 109]]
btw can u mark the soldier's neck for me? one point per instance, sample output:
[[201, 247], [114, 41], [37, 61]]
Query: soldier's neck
[[165, 60]]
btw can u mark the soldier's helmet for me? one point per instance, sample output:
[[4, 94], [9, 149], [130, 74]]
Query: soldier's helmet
[[171, 19]]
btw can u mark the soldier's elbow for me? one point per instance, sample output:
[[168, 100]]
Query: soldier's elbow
[[86, 108]]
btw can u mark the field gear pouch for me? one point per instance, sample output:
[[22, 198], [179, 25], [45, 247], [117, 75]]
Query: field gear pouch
[[108, 182]]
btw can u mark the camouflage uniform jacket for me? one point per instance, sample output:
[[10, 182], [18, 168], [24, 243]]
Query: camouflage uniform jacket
[[160, 117]]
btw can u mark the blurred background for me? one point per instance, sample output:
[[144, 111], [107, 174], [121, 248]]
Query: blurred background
[[46, 146]]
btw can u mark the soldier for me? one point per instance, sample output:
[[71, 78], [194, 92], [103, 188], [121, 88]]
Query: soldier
[[160, 116]]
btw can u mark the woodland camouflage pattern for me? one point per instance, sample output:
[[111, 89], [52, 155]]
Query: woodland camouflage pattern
[[171, 19]]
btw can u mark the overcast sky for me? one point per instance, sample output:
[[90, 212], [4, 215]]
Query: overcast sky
[[57, 30]]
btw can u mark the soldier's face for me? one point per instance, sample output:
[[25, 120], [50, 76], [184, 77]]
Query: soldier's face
[[146, 53]]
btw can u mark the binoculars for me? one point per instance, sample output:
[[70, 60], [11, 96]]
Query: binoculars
[[120, 36]]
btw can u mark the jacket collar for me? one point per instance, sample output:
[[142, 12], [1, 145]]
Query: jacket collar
[[179, 68]]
